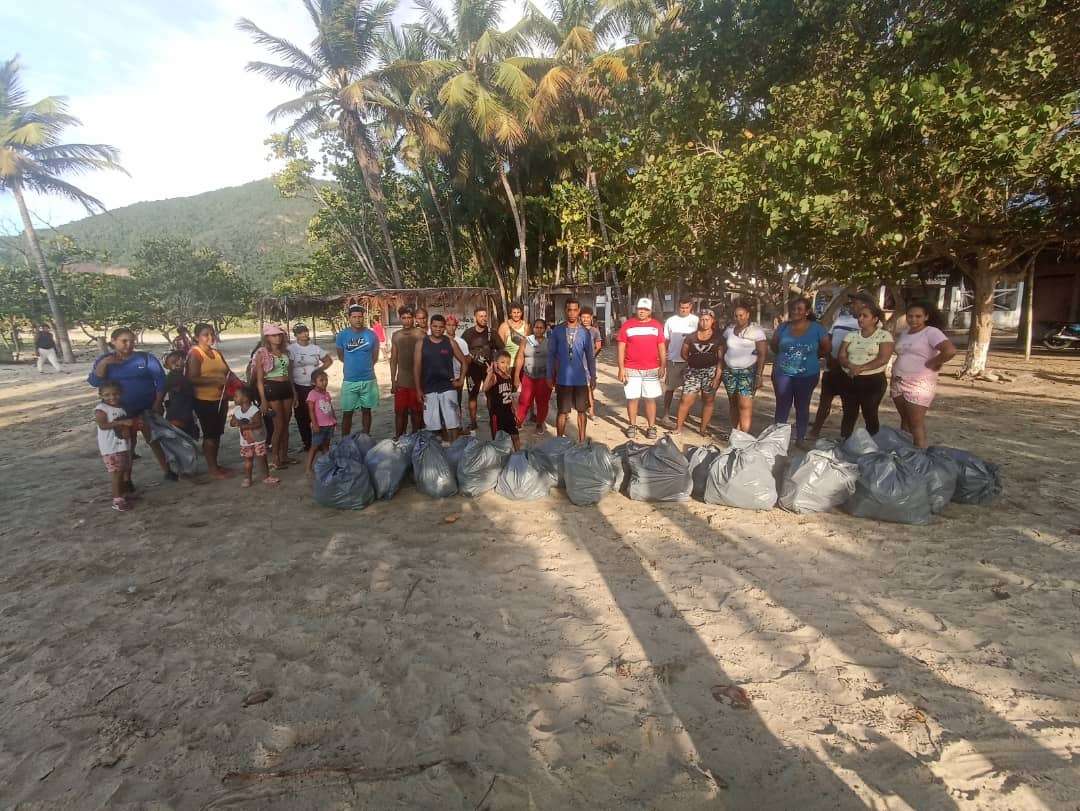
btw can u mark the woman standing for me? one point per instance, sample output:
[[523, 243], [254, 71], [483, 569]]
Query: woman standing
[[701, 351], [208, 372], [746, 348], [921, 350], [142, 386], [513, 330], [864, 354], [531, 377], [307, 358], [273, 378], [798, 343]]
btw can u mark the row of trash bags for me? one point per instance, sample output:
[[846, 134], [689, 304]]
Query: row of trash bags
[[884, 477]]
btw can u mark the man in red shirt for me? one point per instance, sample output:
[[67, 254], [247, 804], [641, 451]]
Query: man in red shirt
[[642, 366]]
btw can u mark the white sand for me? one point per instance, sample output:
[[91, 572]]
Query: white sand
[[536, 655]]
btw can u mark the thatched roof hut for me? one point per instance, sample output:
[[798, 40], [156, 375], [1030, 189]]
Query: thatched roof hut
[[461, 301]]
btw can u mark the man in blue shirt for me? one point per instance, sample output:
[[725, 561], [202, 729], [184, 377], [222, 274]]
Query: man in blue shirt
[[571, 368], [358, 350]]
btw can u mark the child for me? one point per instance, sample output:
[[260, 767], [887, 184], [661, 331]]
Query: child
[[499, 386], [179, 395], [323, 421], [248, 419], [114, 442]]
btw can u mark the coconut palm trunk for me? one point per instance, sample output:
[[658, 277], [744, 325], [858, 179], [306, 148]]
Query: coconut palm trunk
[[521, 288], [371, 171], [442, 220], [46, 280]]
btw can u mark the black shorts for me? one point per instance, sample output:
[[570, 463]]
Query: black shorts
[[503, 419], [834, 383], [277, 390], [477, 373], [572, 397], [211, 416]]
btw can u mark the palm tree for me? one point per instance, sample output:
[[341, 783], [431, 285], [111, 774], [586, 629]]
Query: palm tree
[[336, 83], [32, 158]]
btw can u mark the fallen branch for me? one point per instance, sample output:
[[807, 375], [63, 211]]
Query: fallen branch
[[113, 690], [491, 785], [408, 596]]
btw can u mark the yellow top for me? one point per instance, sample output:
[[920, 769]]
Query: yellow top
[[213, 366]]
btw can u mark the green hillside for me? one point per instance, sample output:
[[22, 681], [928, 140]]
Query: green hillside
[[252, 225]]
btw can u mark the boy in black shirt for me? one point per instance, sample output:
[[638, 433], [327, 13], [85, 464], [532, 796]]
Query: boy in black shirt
[[499, 386]]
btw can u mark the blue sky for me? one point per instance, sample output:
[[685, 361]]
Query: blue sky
[[162, 80]]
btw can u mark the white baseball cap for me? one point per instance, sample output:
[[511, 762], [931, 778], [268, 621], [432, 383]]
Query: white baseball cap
[[644, 304]]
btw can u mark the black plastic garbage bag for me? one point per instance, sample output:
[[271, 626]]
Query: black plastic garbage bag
[[481, 463], [660, 473], [388, 462], [622, 455], [342, 483], [591, 471], [457, 447], [978, 481], [890, 439], [817, 482], [941, 473], [431, 469], [890, 489], [181, 451], [700, 458], [524, 478], [353, 446], [554, 449]]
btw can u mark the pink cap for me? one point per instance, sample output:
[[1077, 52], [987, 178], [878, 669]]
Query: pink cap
[[272, 329]]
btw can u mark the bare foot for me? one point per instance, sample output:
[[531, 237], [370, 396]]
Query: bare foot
[[222, 473], [271, 480], [246, 483]]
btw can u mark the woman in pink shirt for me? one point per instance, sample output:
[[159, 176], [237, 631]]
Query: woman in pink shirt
[[921, 350]]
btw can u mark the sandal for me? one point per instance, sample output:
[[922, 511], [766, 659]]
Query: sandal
[[120, 505], [271, 480], [651, 432], [246, 483]]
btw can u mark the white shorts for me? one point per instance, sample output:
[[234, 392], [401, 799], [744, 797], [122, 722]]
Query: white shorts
[[441, 410], [643, 383]]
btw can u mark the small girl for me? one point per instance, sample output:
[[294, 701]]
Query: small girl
[[114, 429], [179, 395], [499, 386], [247, 417], [320, 408]]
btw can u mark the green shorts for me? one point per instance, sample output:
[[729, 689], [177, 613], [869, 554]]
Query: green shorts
[[359, 394]]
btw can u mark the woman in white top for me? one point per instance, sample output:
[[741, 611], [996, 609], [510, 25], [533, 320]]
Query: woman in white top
[[307, 358], [746, 348]]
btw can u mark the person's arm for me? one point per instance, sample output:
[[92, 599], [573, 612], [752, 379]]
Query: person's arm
[[393, 366], [884, 352], [622, 361], [418, 355], [825, 346], [762, 349], [463, 362], [590, 361], [100, 371], [313, 419], [260, 377], [235, 423], [339, 349], [104, 423], [684, 353], [946, 351], [289, 377], [157, 372], [327, 361], [774, 342], [843, 359], [661, 348], [504, 334], [490, 380]]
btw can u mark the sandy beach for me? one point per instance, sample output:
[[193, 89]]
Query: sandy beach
[[228, 648]]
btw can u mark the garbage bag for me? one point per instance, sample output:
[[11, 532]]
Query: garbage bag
[[388, 463], [940, 471], [890, 439], [741, 477], [978, 481], [774, 442], [817, 482], [481, 463], [660, 473], [431, 469], [554, 449], [342, 482], [622, 454], [858, 444], [353, 446], [523, 478], [181, 451], [700, 458], [591, 472], [890, 489], [457, 447]]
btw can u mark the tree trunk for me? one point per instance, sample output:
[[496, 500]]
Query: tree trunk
[[442, 221], [372, 174], [985, 277], [46, 280], [838, 301], [521, 286]]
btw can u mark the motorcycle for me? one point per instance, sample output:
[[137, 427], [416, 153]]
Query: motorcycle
[[1062, 336]]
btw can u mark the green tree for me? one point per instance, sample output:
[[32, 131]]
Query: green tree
[[33, 158]]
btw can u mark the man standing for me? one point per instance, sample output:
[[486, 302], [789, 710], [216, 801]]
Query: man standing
[[433, 370], [358, 350], [478, 339], [451, 333], [676, 328], [642, 368], [836, 380], [45, 345], [571, 367], [421, 319], [408, 405]]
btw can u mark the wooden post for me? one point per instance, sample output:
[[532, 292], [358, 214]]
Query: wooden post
[[1029, 302]]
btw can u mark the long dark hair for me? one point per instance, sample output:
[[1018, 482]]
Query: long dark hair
[[933, 314], [874, 310], [810, 314]]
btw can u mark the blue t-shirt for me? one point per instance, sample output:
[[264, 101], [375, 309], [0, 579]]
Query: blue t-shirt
[[141, 379], [798, 355], [358, 349], [571, 360]]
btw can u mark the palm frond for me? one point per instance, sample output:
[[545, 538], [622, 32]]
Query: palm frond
[[282, 48], [459, 91], [435, 19], [611, 64], [542, 29], [78, 158], [550, 93], [311, 123], [298, 107], [578, 42], [283, 74], [12, 94], [513, 81], [49, 184]]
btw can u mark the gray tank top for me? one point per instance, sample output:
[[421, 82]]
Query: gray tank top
[[536, 355]]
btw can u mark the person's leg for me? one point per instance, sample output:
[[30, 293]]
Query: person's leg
[[707, 401], [41, 361], [249, 467], [873, 389], [346, 423], [785, 395], [825, 401], [54, 359], [303, 416], [901, 409], [917, 421], [525, 398], [669, 395], [264, 468], [282, 410], [650, 411], [365, 420], [582, 425], [632, 411], [541, 402], [686, 402], [850, 398], [401, 420], [313, 451], [744, 409], [803, 394]]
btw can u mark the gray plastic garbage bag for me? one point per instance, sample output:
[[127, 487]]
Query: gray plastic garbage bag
[[388, 462], [660, 473], [817, 482], [523, 478], [181, 451], [481, 463], [353, 446], [700, 458], [591, 471], [554, 449], [978, 482], [858, 444], [622, 454], [890, 489], [342, 483], [741, 477], [431, 469], [890, 439], [941, 473], [457, 447]]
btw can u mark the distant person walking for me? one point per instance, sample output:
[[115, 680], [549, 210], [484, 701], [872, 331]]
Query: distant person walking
[[208, 373], [921, 350], [45, 347], [531, 376], [676, 329], [307, 358], [642, 366], [358, 349], [571, 368], [798, 343], [745, 351], [863, 356]]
